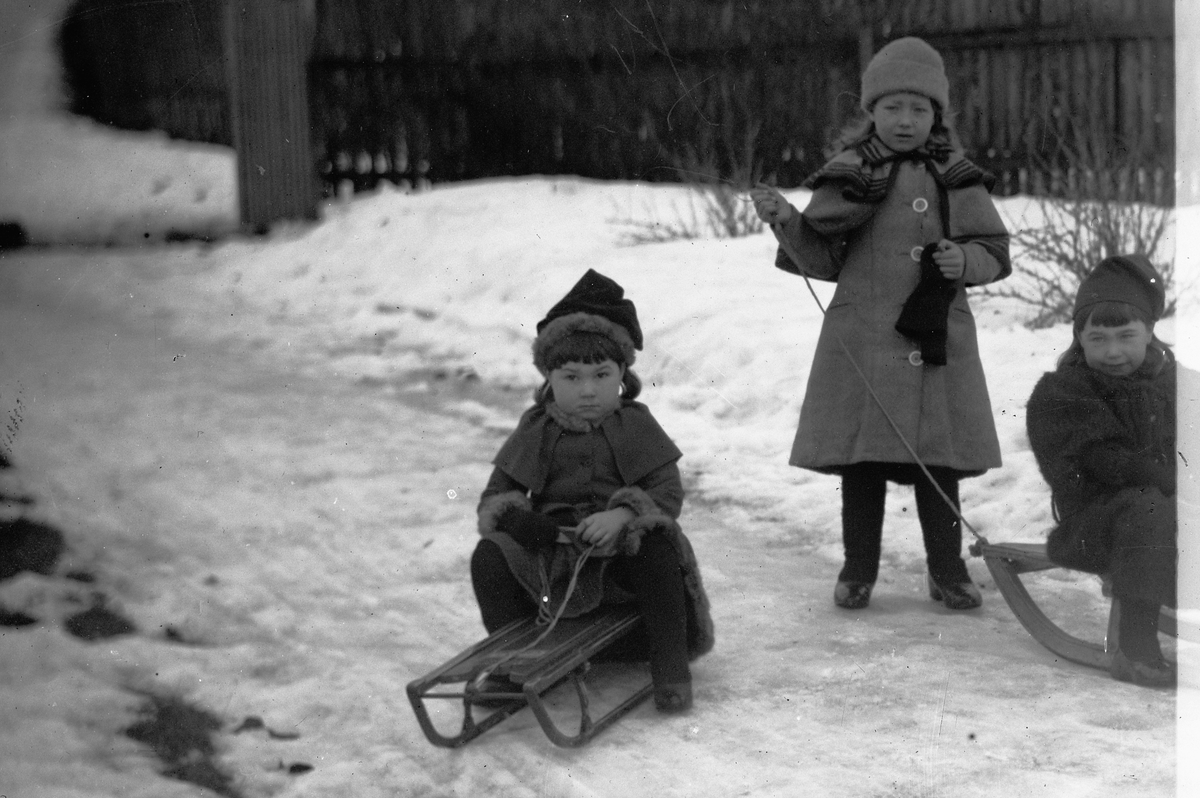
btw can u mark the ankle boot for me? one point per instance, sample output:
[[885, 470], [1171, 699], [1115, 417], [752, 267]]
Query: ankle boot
[[853, 595], [673, 698], [1159, 672], [955, 595]]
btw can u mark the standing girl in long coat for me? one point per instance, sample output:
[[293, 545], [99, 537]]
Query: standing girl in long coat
[[903, 223]]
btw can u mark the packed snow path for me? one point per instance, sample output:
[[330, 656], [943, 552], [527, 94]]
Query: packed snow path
[[305, 540]]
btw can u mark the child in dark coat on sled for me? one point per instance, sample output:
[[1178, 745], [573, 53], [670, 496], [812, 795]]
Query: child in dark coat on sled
[[588, 483], [1102, 427]]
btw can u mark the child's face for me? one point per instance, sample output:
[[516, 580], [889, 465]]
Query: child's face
[[587, 390], [903, 120], [1118, 351]]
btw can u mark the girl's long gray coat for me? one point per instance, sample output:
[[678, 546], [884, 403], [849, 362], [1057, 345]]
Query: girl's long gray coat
[[872, 251]]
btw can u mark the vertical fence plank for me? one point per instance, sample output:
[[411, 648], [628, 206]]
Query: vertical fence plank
[[267, 54]]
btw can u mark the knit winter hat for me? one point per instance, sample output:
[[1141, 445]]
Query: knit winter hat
[[907, 64], [596, 304], [1123, 278]]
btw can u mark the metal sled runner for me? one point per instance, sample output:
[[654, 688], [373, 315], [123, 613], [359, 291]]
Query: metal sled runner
[[1008, 561], [536, 661]]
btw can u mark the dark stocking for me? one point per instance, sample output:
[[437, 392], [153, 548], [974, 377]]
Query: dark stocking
[[653, 576], [941, 528], [1138, 631], [864, 491], [501, 598]]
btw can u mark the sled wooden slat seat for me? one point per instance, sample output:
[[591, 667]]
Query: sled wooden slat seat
[[1008, 561], [537, 668]]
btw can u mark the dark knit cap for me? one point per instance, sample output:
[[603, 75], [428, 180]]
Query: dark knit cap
[[595, 304], [1123, 278]]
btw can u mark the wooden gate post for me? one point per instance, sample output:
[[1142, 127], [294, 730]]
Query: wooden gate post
[[268, 43]]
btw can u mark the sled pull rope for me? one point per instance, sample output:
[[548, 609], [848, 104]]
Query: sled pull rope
[[544, 616], [791, 253]]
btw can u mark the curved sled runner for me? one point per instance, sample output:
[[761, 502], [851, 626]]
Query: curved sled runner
[[537, 664], [1008, 561]]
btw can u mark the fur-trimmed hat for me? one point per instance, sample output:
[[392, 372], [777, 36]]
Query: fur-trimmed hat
[[595, 304], [1123, 278], [907, 64]]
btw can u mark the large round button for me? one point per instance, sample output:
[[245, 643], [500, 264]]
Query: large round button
[[920, 205], [914, 357], [915, 253]]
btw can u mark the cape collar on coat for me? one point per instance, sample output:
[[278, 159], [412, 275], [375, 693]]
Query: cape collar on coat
[[638, 443], [866, 170]]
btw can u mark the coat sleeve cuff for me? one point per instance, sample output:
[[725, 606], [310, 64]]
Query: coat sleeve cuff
[[987, 260], [492, 507], [635, 499], [648, 518]]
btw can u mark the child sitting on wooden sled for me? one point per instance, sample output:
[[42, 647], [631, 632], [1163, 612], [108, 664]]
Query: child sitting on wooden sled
[[590, 459], [1102, 427]]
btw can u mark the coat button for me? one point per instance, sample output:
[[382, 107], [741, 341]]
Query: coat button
[[914, 357], [920, 205], [915, 253]]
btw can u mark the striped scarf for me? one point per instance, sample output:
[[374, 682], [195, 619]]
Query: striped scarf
[[868, 177]]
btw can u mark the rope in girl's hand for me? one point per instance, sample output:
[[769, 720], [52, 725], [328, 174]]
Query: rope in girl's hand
[[791, 253], [544, 615]]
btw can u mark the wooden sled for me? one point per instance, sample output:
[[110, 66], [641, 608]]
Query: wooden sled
[[562, 655], [1007, 561]]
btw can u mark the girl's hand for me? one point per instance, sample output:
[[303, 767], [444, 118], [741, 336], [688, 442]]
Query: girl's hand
[[604, 528], [951, 259], [770, 205]]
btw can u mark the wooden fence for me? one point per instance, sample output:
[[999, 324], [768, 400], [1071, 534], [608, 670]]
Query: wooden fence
[[1042, 90], [436, 90]]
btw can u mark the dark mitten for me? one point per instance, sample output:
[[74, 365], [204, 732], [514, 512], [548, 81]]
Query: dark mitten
[[532, 530], [1110, 464], [927, 308], [1157, 474]]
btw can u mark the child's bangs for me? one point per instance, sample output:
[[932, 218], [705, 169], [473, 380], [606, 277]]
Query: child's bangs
[[1111, 314], [583, 347]]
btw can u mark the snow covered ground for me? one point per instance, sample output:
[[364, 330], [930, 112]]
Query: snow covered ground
[[266, 454]]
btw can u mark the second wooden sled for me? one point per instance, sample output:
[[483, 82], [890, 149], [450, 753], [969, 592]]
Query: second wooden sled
[[1008, 561], [538, 666]]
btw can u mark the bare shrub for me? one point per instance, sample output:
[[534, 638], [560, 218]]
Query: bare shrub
[[719, 174], [1087, 214], [723, 199]]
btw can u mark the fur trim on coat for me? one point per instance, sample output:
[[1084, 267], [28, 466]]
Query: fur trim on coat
[[558, 329], [493, 507], [647, 517]]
